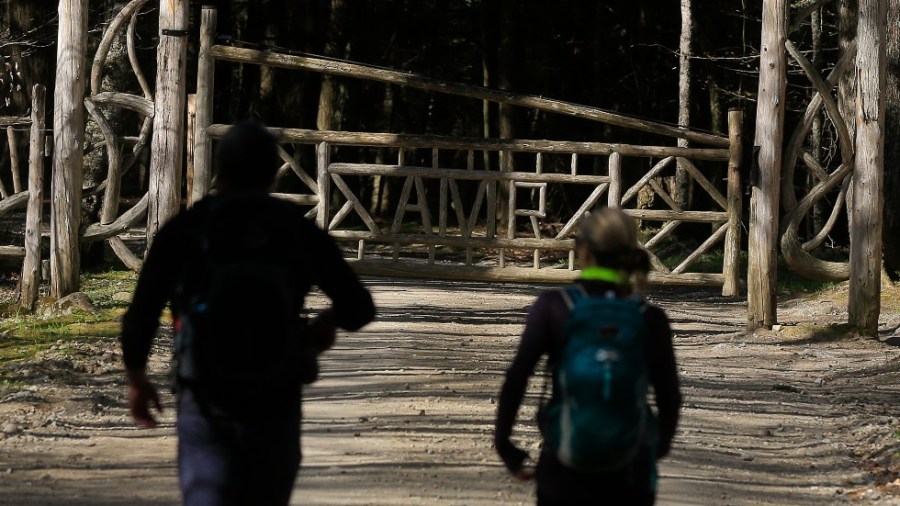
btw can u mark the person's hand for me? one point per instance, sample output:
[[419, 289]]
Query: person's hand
[[524, 474], [323, 331], [141, 394]]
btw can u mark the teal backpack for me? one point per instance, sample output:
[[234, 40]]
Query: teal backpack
[[598, 418]]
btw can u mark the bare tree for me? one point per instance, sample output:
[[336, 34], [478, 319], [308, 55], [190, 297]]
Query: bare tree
[[682, 189], [892, 145]]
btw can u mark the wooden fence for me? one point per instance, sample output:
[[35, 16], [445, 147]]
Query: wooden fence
[[467, 240], [448, 223]]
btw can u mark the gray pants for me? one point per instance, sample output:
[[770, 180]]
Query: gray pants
[[228, 460]]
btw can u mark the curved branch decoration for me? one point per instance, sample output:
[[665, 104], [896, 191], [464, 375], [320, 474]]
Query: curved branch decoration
[[110, 226], [133, 59], [103, 49], [114, 155], [816, 241], [100, 232], [125, 255], [821, 97], [794, 253]]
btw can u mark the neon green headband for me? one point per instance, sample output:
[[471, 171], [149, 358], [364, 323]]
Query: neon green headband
[[604, 274]]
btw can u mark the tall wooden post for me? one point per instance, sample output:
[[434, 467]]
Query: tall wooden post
[[204, 108], [763, 240], [68, 140], [168, 124], [868, 170], [31, 267], [732, 262]]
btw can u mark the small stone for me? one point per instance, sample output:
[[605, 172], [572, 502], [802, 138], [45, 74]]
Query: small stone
[[9, 428], [122, 297], [776, 327]]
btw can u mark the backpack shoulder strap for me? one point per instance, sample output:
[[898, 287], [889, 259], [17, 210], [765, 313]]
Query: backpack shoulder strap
[[572, 294]]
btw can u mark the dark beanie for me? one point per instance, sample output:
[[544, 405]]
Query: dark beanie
[[246, 157]]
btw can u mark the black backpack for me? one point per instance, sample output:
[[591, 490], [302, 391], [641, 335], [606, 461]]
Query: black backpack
[[238, 325]]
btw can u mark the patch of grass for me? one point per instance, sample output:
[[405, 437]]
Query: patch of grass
[[23, 336], [815, 334]]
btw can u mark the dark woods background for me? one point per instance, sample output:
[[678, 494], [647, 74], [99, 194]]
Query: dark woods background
[[619, 55]]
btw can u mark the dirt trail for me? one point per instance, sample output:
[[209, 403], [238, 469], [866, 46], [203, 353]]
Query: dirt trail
[[404, 412]]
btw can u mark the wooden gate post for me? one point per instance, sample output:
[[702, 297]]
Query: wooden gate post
[[68, 140], [732, 262], [868, 170], [168, 123], [323, 211], [31, 267], [204, 108], [614, 193], [764, 201]]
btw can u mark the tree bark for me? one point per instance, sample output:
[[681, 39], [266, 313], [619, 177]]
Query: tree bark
[[764, 201], [328, 117], [30, 281], [682, 189], [166, 155], [892, 144], [868, 172], [68, 140]]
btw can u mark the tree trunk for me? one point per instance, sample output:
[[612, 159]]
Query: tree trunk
[[815, 140], [68, 140], [380, 189], [505, 67], [31, 279], [328, 117], [168, 125], [764, 201], [892, 145], [682, 189], [868, 171], [847, 20]]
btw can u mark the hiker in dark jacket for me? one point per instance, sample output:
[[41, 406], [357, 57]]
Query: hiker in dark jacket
[[239, 436], [611, 261]]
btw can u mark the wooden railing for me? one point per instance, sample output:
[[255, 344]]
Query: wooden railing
[[465, 239]]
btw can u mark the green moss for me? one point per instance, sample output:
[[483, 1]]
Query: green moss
[[23, 336]]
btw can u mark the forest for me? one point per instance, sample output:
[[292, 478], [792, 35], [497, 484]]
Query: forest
[[622, 56]]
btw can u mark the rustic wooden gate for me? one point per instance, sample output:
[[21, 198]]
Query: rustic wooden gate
[[447, 223]]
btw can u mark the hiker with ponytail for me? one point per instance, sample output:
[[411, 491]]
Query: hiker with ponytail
[[605, 347]]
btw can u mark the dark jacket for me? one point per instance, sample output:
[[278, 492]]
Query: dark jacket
[[318, 260], [543, 335]]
